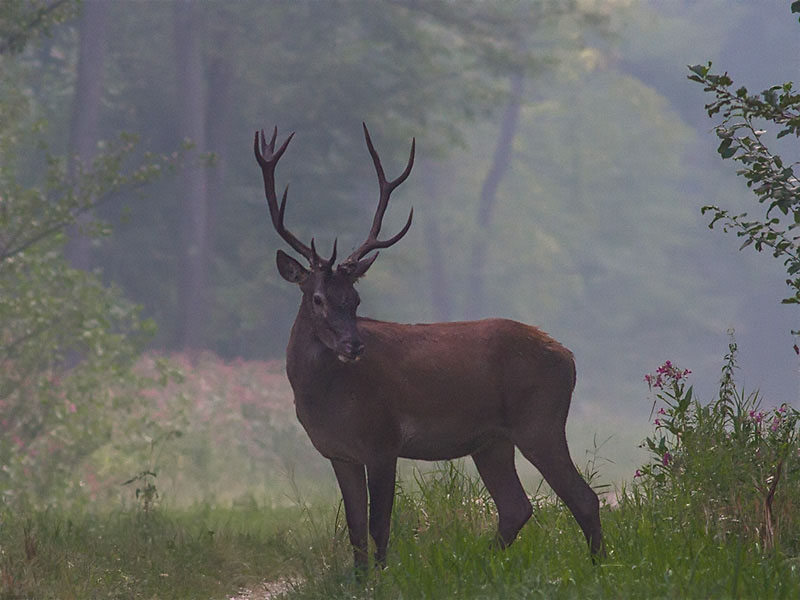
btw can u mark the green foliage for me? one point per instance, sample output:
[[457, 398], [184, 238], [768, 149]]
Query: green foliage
[[67, 342], [22, 20], [742, 133], [735, 466]]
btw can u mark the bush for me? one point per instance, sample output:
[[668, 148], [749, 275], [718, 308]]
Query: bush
[[733, 465]]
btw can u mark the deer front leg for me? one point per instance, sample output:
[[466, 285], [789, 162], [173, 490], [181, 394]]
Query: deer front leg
[[381, 477], [352, 482]]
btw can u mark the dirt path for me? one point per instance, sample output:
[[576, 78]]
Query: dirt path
[[266, 590]]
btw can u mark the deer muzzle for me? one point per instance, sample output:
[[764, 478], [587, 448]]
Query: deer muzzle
[[350, 350]]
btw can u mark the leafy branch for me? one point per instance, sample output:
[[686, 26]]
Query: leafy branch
[[47, 212], [773, 181], [20, 21]]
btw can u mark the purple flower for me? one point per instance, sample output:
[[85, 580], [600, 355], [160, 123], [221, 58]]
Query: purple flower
[[666, 458], [637, 474], [666, 374], [657, 422]]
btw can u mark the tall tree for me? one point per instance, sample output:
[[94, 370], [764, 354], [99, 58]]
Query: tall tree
[[431, 176], [500, 163], [193, 203], [84, 128]]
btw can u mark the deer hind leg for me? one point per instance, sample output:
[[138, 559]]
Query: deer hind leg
[[381, 478], [352, 482], [495, 464], [548, 452]]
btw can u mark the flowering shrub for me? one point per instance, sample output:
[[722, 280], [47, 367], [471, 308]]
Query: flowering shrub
[[737, 464]]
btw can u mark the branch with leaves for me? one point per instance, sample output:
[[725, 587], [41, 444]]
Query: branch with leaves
[[21, 21], [30, 216], [742, 132]]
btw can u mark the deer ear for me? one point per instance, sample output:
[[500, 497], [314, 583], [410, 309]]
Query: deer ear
[[291, 270], [357, 269]]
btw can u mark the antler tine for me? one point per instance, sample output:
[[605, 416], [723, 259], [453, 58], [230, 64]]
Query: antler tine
[[320, 262], [332, 259], [386, 189], [267, 159]]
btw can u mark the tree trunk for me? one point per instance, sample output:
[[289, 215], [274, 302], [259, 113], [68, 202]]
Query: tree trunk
[[220, 78], [440, 296], [193, 202], [84, 125], [502, 159]]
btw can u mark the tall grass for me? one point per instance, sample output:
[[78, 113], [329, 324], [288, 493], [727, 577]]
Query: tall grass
[[442, 547]]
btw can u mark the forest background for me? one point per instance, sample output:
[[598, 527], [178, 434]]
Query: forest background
[[563, 160]]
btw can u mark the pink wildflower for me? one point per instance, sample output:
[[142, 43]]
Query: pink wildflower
[[637, 474], [666, 374], [665, 460]]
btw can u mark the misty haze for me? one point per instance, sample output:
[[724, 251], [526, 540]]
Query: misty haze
[[562, 159]]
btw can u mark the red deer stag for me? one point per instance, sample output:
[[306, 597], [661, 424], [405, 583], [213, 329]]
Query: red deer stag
[[368, 392]]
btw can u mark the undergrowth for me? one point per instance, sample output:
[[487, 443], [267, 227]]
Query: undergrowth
[[711, 514]]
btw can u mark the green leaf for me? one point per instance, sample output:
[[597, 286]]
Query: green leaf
[[702, 70], [725, 149]]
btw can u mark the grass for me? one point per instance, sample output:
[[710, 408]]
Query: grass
[[441, 547], [199, 552]]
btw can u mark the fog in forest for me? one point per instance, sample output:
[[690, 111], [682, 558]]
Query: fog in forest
[[562, 161]]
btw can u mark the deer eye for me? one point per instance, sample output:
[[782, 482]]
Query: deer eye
[[318, 301]]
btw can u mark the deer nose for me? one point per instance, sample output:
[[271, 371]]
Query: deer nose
[[353, 348]]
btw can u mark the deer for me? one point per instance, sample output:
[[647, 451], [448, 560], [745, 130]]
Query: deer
[[369, 392]]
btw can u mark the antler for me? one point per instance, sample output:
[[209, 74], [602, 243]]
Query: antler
[[386, 189], [267, 159]]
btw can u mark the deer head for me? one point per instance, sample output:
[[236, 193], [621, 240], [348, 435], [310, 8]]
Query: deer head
[[329, 296]]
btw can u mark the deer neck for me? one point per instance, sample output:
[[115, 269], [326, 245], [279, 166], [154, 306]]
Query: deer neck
[[310, 364]]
